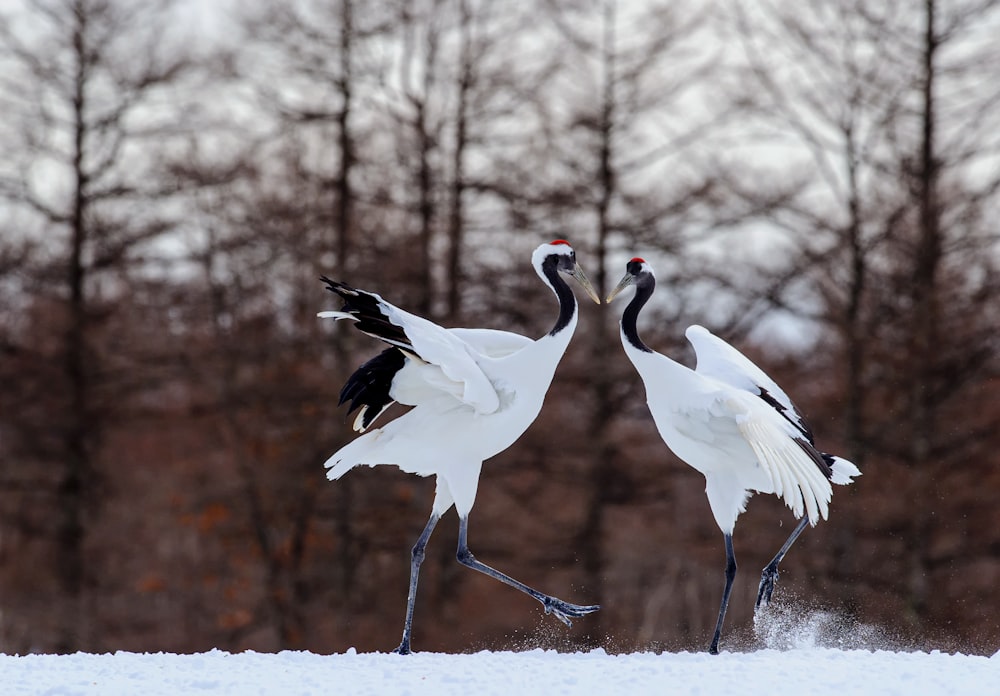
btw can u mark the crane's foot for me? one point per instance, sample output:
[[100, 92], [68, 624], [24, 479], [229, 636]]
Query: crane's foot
[[768, 577], [564, 610], [404, 647]]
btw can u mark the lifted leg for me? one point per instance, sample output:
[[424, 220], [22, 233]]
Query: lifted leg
[[769, 575], [562, 610], [713, 649], [417, 557]]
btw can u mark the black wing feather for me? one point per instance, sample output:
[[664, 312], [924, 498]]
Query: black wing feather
[[799, 423], [822, 460], [368, 388], [365, 308]]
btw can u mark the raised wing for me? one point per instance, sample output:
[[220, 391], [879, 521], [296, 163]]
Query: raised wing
[[444, 361], [719, 360]]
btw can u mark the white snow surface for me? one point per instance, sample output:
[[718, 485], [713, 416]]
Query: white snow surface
[[790, 649], [799, 671]]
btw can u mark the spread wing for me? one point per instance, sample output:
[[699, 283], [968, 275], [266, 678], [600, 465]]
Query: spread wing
[[426, 360]]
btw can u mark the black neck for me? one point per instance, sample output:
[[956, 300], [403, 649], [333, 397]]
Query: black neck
[[567, 301], [643, 291]]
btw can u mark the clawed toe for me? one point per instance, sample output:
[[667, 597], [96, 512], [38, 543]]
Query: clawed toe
[[583, 610], [564, 610], [767, 580]]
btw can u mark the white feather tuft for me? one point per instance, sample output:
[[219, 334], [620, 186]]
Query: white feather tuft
[[843, 471], [336, 315]]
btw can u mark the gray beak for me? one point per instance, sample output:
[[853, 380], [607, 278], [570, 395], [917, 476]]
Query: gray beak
[[623, 283], [582, 279]]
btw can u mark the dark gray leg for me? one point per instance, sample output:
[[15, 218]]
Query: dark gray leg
[[769, 575], [416, 558], [730, 576], [562, 610]]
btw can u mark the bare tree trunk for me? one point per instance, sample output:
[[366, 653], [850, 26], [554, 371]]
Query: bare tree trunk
[[72, 489], [345, 195], [347, 559], [425, 143], [456, 220], [236, 438], [854, 337], [925, 316], [425, 206], [604, 454]]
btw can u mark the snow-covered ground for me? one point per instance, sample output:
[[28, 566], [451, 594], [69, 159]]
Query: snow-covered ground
[[798, 671], [793, 650]]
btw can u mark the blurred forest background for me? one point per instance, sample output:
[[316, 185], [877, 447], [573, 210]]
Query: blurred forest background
[[817, 182]]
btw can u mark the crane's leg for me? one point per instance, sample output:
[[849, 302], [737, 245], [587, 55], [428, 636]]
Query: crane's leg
[[562, 610], [730, 576], [769, 575], [416, 558]]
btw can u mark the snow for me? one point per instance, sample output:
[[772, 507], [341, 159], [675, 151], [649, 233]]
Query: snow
[[788, 650], [799, 671]]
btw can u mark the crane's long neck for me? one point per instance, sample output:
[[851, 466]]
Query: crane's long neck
[[643, 291], [567, 300], [535, 364], [664, 378]]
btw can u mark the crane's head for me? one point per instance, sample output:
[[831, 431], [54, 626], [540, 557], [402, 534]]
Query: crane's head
[[636, 271], [561, 255]]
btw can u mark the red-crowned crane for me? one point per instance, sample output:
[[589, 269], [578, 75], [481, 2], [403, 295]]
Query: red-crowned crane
[[731, 422], [473, 393]]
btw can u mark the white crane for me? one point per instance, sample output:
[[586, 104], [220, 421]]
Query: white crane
[[731, 422], [473, 392]]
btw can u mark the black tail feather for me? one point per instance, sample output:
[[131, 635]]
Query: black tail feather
[[370, 384], [823, 461], [368, 388]]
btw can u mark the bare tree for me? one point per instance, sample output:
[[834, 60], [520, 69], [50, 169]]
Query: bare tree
[[325, 209], [316, 96], [614, 167], [169, 396], [935, 172], [891, 134], [464, 83], [87, 95]]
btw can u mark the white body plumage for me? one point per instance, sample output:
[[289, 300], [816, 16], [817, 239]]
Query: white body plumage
[[730, 421], [739, 442], [473, 393], [459, 420]]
